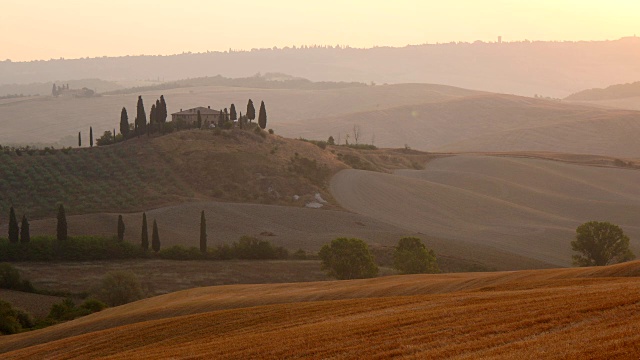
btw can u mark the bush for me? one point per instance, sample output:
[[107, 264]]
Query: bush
[[93, 305], [250, 248], [82, 248], [345, 259], [271, 131], [119, 287], [10, 279], [179, 252], [65, 311], [13, 320], [412, 257]]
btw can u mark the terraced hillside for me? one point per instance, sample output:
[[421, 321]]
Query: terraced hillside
[[528, 207], [542, 314]]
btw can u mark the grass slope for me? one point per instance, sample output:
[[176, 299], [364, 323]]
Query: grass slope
[[486, 122], [529, 207], [560, 313]]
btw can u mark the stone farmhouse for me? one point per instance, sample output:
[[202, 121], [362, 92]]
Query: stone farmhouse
[[190, 116]]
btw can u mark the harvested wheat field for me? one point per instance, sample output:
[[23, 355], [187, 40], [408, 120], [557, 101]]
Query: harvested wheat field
[[554, 314], [528, 207]]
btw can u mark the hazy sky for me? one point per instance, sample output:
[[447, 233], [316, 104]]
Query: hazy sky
[[45, 29]]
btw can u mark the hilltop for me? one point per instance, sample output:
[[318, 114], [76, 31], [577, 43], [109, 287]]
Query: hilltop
[[619, 91], [138, 174], [489, 315]]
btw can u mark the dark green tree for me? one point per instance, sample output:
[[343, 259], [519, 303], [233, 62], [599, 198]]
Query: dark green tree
[[54, 91], [124, 123], [345, 259], [251, 111], [152, 115], [25, 235], [14, 230], [221, 119], [412, 257], [262, 116], [141, 118], [163, 109], [233, 113], [155, 237], [203, 233], [61, 227], [241, 121], [79, 139], [599, 244], [91, 136], [121, 228], [199, 121], [331, 141], [145, 233]]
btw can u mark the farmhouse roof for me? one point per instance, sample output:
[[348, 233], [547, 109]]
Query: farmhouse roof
[[203, 111]]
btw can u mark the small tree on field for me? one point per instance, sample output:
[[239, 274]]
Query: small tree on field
[[331, 141], [155, 237], [14, 231], [600, 243], [25, 236], [203, 233], [90, 136], [412, 257], [345, 258], [121, 228], [262, 116], [145, 233], [199, 120], [79, 139], [61, 227], [141, 117]]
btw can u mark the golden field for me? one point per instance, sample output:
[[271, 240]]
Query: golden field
[[549, 314]]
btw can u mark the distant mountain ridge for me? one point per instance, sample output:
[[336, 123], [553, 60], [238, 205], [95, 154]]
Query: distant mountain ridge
[[619, 91], [554, 69]]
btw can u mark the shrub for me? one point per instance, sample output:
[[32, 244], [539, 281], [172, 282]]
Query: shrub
[[119, 287], [178, 252], [13, 320], [345, 258], [65, 311], [250, 248], [271, 131], [412, 257], [81, 248], [93, 305]]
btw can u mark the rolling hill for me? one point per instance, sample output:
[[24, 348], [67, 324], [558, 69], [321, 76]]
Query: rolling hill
[[563, 313], [58, 120], [528, 207], [486, 122]]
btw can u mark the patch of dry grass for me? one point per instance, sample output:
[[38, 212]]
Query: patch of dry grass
[[564, 313]]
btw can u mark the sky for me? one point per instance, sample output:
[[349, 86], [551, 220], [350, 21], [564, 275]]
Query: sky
[[45, 29]]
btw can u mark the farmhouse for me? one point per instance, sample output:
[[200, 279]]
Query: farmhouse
[[190, 116]]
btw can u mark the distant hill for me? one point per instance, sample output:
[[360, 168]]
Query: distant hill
[[554, 69], [620, 91], [485, 122], [477, 316], [44, 88]]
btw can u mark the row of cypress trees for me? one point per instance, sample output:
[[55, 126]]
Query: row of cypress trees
[[22, 234], [155, 236]]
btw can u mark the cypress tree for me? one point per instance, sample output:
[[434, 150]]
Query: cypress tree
[[155, 238], [152, 118], [241, 121], [251, 111], [120, 228], [221, 119], [163, 110], [79, 139], [124, 123], [233, 113], [25, 237], [203, 233], [54, 91], [262, 116], [14, 231], [61, 227], [91, 136], [145, 233], [199, 120], [141, 117]]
